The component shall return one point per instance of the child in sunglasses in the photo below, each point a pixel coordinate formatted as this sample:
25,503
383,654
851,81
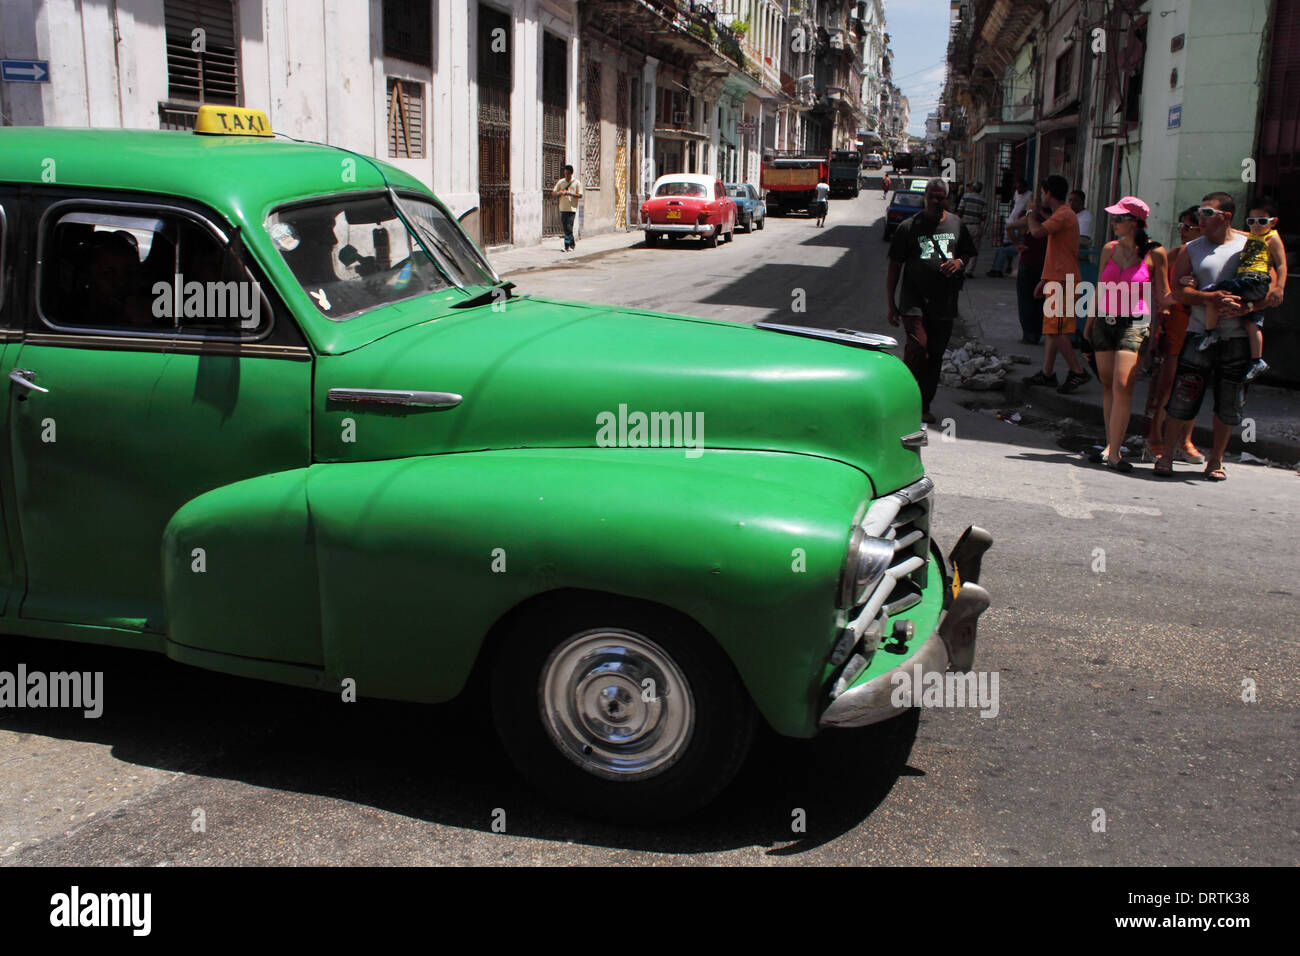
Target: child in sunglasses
1262,254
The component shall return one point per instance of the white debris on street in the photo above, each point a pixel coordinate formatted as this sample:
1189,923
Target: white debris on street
974,366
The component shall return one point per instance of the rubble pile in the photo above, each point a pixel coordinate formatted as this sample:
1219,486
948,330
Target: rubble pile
974,366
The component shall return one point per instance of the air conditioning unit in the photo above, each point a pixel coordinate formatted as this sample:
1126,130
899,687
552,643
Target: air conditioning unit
680,117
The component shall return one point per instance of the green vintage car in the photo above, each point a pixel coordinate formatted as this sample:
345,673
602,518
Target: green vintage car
272,413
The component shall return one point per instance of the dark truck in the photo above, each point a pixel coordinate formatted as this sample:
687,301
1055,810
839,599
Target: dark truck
903,162
844,166
790,180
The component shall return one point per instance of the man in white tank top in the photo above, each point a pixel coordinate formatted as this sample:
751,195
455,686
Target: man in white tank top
1221,368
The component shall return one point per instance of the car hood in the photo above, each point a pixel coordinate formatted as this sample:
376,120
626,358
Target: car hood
539,372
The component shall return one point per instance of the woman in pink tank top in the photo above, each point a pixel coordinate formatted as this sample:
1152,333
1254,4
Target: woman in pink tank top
1133,282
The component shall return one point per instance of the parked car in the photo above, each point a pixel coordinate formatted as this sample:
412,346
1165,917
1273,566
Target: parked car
904,204
873,161
751,211
306,434
689,204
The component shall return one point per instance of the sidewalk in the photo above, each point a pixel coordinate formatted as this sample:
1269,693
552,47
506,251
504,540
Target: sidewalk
548,254
988,311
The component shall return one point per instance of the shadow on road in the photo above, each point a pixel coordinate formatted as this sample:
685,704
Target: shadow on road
437,764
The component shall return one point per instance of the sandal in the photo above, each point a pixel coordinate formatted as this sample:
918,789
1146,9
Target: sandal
1215,472
1167,471
1122,465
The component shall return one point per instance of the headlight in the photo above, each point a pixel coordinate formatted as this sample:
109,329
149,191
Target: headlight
869,558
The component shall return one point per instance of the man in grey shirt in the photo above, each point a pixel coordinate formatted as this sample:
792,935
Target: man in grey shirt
1222,368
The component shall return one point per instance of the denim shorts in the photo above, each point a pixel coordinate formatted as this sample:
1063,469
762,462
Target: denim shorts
1219,368
1117,335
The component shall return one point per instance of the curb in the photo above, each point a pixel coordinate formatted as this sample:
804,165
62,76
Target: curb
1016,392
562,262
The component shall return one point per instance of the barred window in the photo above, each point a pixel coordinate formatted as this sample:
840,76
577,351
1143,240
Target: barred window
408,31
202,51
405,119
591,127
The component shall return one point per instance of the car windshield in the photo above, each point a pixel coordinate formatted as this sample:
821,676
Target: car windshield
351,254
909,200
680,189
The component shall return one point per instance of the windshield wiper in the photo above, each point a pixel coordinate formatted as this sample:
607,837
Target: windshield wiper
487,295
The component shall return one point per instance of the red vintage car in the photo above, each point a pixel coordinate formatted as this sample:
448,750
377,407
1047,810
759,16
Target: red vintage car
689,204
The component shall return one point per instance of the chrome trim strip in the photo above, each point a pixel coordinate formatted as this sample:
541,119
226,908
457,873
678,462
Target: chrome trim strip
11,335
864,340
389,396
109,204
182,346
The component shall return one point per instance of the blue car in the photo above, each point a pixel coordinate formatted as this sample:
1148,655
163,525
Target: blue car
904,205
751,211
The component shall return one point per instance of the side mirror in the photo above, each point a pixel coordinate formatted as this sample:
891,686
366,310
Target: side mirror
469,221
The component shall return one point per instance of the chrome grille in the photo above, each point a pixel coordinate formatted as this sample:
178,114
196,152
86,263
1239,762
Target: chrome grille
904,518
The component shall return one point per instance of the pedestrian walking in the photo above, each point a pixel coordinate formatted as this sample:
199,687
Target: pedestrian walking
1077,200
885,183
1221,370
1168,332
1006,253
822,203
570,192
929,252
1133,279
973,209
1056,221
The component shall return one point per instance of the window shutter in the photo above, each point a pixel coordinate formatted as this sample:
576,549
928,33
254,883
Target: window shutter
405,119
208,75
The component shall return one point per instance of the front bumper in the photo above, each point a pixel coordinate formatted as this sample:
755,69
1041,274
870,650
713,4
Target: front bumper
950,647
680,229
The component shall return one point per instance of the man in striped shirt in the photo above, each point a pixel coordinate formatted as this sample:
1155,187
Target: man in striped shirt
972,209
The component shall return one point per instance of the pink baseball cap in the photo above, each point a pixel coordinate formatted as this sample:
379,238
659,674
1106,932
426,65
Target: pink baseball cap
1131,205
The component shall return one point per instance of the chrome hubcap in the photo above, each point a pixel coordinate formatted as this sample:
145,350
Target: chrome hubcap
616,704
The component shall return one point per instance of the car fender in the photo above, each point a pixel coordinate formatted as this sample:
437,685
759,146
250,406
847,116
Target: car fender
419,558
239,573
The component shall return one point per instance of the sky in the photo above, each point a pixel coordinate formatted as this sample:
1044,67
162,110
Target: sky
918,35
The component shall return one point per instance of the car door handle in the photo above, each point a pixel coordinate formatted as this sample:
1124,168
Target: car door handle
393,396
23,377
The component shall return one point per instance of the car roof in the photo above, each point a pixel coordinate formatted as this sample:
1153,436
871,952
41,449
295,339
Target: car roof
239,176
699,178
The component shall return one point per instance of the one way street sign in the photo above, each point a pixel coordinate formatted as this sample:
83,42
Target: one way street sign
25,71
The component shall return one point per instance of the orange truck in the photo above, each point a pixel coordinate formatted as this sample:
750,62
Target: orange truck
790,180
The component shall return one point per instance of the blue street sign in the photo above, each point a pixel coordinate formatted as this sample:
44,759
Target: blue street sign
1175,117
25,71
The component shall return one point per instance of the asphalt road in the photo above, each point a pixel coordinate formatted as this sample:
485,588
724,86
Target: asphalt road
1120,690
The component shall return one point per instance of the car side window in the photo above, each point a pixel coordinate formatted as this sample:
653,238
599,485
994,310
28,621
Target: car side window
142,271
4,241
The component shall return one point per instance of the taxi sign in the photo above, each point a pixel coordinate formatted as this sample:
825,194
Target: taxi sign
231,121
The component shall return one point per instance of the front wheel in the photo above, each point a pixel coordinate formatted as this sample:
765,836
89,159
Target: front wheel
620,710
762,222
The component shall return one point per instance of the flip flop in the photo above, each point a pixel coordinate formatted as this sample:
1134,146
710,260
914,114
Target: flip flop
1215,474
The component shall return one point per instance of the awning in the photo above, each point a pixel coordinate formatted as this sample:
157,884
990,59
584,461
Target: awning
1060,122
1002,130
